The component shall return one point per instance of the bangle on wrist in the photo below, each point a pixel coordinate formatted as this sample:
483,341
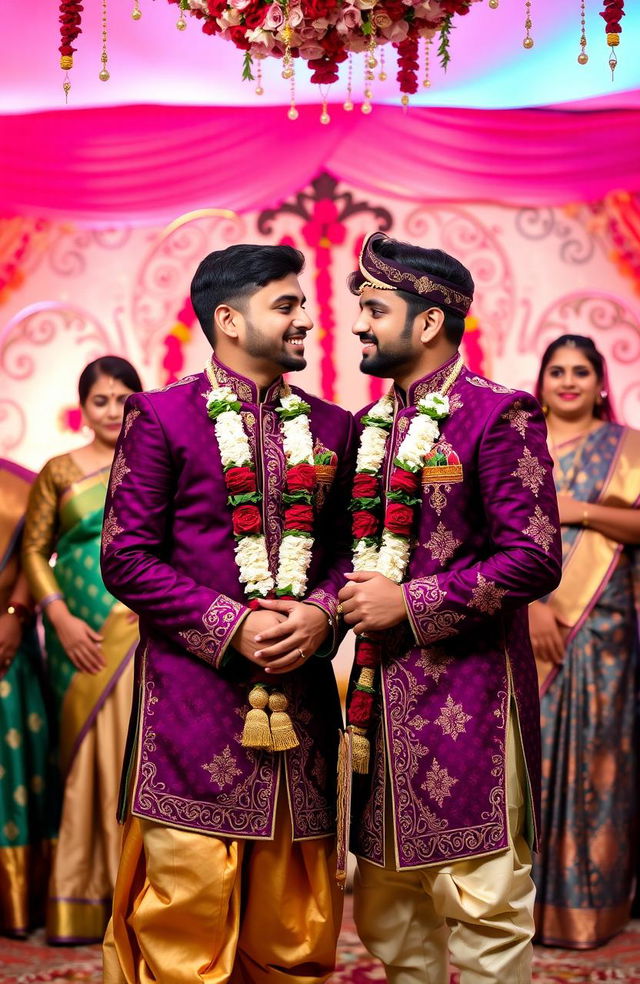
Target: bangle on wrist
20,611
585,517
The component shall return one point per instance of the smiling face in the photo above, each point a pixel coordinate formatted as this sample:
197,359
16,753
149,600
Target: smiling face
390,345
570,385
103,408
272,326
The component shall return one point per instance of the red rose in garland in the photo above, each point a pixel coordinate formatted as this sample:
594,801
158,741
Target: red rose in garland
246,520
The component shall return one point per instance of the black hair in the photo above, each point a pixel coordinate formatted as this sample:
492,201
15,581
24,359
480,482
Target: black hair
586,345
228,276
108,365
428,261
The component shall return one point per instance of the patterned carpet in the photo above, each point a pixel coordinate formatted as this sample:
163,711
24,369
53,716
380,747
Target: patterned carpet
31,962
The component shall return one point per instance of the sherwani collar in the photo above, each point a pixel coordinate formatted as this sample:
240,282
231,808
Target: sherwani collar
430,383
245,389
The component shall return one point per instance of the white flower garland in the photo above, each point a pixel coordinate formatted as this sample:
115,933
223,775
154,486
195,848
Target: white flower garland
251,554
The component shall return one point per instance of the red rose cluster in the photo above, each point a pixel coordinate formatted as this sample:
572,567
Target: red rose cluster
613,13
70,11
299,515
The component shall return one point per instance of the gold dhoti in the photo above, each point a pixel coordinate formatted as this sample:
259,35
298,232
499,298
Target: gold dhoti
480,909
189,908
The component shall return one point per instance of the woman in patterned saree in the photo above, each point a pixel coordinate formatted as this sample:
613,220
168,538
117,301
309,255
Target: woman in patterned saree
25,815
90,639
585,637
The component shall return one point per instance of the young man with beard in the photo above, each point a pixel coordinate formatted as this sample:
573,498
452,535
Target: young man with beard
224,492
445,685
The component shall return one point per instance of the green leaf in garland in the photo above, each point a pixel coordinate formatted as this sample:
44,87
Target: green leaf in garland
369,421
445,40
298,496
221,406
242,498
405,467
290,413
404,497
370,502
247,65
323,458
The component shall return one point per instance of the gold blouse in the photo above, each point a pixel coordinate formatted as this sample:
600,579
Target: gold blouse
43,525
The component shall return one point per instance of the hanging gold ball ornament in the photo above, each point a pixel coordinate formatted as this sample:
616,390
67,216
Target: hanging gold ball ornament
103,75
325,118
383,76
527,43
426,84
259,91
136,13
287,73
583,58
347,106
293,113
366,108
494,4
181,24
405,99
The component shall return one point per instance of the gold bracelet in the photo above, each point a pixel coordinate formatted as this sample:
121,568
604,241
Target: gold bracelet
585,518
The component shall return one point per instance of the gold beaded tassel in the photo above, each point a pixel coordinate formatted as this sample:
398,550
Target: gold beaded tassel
136,13
325,119
528,40
369,75
426,83
259,87
181,22
288,70
348,103
382,77
583,57
103,74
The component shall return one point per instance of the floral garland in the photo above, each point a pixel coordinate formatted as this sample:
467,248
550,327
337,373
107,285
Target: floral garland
245,500
324,32
613,13
386,551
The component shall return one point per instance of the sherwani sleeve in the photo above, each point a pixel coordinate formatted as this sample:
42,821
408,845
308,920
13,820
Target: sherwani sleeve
39,538
337,531
519,507
137,513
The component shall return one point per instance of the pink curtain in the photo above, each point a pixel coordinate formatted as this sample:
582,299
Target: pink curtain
148,164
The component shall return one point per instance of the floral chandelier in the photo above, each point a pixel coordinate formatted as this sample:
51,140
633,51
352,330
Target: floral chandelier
326,33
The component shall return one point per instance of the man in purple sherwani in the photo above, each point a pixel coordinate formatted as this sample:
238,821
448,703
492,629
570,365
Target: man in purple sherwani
444,823
228,488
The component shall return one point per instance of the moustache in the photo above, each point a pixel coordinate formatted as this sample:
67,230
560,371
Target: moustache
368,338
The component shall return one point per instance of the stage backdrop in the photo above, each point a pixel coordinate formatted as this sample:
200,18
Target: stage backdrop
70,294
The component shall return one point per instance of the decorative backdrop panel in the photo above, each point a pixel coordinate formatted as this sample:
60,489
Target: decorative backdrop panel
68,295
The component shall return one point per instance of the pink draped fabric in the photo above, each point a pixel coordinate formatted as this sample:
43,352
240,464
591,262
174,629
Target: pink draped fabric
145,164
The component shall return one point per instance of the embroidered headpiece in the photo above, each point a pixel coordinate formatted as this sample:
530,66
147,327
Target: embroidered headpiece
387,274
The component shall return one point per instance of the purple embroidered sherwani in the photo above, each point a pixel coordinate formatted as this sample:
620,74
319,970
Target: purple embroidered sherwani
487,544
168,553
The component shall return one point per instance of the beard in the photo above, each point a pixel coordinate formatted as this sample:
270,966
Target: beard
260,346
384,361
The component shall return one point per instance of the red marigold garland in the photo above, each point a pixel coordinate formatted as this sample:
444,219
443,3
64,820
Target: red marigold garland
70,11
612,14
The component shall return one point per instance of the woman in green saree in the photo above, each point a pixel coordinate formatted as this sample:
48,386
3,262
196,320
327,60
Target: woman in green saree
585,638
90,640
26,829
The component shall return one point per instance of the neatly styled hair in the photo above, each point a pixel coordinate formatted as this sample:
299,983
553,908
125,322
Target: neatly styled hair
424,261
230,276
604,409
108,365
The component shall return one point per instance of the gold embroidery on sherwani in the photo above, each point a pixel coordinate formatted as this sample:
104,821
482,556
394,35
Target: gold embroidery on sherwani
222,768
310,806
434,661
540,529
439,783
119,470
216,620
442,544
518,418
530,472
275,467
131,419
177,382
426,596
487,384
244,809
487,596
242,390
452,719
438,499
110,530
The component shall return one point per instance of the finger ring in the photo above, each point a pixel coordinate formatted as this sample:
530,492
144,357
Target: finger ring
302,655
339,609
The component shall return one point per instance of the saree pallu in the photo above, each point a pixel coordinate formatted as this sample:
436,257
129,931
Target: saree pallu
26,818
93,712
584,874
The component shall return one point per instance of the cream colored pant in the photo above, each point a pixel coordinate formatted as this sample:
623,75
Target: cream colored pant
481,909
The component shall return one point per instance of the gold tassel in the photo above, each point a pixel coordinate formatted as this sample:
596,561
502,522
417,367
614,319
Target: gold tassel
282,734
256,732
345,768
360,751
